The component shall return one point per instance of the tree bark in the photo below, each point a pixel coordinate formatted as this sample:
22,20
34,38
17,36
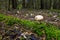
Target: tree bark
9,5
23,3
14,4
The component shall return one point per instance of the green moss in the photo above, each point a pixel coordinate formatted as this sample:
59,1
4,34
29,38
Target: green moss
50,30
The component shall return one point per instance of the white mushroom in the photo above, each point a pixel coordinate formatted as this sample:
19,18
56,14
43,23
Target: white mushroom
18,12
32,14
39,17
27,14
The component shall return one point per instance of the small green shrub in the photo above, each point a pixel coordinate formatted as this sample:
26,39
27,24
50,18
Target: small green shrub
19,6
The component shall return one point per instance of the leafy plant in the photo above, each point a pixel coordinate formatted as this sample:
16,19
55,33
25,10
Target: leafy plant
19,6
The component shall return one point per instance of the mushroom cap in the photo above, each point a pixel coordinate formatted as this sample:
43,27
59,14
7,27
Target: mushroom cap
18,12
39,17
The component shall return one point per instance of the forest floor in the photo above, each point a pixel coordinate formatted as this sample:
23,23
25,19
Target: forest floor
49,17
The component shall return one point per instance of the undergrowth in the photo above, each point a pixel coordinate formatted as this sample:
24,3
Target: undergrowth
50,30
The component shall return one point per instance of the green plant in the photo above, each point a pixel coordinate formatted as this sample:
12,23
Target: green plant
38,31
22,38
10,21
19,6
2,17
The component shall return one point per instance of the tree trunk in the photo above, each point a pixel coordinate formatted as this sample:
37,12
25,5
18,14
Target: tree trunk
14,4
9,5
42,4
23,3
52,4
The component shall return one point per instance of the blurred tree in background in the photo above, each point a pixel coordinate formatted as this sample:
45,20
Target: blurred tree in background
33,4
13,3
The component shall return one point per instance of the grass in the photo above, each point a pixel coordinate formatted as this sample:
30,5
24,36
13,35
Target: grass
50,30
